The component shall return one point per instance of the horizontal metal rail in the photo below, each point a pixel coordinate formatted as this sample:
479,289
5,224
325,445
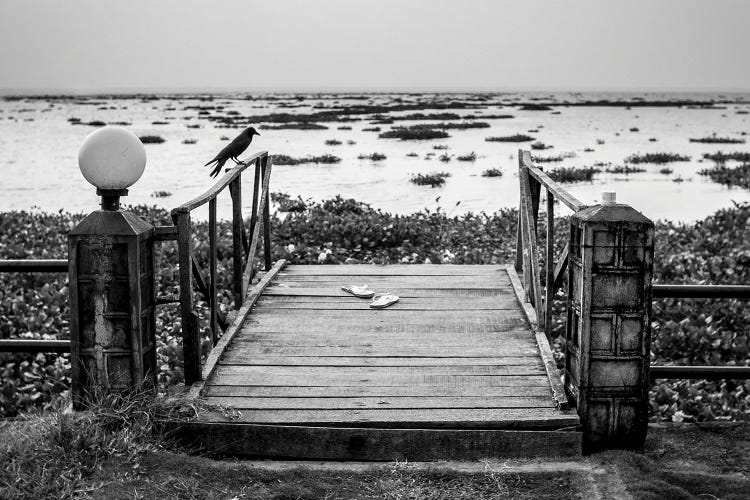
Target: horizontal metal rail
34,266
700,372
702,291
34,346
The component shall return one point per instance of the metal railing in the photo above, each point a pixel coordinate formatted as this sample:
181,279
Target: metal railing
708,372
243,253
34,266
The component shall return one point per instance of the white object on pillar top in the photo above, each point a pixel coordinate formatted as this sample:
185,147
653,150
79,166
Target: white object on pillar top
112,158
609,198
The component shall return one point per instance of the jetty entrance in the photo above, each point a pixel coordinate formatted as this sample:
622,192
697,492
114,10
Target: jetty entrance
459,368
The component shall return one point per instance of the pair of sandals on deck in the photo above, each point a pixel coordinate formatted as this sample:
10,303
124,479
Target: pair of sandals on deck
380,301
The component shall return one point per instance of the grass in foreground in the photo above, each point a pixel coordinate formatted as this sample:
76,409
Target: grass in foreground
54,455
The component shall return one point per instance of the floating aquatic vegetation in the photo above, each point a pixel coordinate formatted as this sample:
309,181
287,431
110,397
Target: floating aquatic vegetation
434,179
656,158
511,138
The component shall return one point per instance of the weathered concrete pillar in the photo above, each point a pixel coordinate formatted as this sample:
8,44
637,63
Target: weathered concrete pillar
111,274
608,328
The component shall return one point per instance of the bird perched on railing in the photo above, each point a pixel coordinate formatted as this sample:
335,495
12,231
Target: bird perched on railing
233,150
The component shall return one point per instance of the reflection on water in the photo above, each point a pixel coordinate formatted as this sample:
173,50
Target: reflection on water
39,145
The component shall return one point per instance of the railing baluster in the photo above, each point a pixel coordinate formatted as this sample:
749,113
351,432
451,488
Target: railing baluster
191,340
549,283
530,252
212,268
234,189
266,218
256,188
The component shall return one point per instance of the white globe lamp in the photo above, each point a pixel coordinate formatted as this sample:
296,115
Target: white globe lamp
112,159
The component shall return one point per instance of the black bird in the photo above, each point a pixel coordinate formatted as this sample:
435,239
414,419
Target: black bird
233,150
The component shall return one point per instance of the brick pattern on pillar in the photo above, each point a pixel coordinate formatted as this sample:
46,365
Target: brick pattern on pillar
112,300
608,327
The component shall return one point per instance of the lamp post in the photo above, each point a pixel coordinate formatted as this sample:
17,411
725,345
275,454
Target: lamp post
111,274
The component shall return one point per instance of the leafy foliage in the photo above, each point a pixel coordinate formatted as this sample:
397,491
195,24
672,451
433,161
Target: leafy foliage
684,331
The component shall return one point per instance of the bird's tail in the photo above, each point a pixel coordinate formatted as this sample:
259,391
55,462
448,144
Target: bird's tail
217,168
207,164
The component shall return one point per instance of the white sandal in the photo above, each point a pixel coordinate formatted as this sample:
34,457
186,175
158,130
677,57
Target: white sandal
363,292
383,301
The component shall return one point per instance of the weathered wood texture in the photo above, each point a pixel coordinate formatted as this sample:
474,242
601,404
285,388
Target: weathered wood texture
456,352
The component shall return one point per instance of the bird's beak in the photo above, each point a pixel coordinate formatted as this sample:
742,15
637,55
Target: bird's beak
256,133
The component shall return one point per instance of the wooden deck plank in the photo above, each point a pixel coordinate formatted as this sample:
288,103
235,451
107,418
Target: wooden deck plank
378,372
345,443
392,403
499,281
279,348
489,418
394,270
225,375
262,391
405,303
245,358
333,290
386,320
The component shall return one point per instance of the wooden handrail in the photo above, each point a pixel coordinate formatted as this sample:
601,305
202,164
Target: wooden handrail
243,265
219,186
531,180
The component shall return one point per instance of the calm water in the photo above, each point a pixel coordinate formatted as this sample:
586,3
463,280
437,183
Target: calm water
39,151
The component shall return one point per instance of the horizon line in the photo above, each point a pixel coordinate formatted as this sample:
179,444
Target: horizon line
11,91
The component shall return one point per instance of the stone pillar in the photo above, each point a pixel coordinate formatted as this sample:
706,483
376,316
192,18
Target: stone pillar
112,299
111,275
608,332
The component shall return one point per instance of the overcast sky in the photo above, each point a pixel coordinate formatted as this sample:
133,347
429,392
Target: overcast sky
348,44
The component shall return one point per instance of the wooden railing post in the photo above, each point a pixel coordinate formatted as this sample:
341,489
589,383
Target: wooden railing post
213,300
608,327
532,282
266,220
549,280
191,338
237,243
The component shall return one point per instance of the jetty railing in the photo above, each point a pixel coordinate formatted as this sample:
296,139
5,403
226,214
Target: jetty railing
34,345
243,253
708,372
531,179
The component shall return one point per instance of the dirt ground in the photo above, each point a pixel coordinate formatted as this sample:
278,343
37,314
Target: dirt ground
685,461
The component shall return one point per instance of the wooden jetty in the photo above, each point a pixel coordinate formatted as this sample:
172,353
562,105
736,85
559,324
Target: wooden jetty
459,368
453,370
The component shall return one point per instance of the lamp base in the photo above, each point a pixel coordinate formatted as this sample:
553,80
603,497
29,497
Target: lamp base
111,198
